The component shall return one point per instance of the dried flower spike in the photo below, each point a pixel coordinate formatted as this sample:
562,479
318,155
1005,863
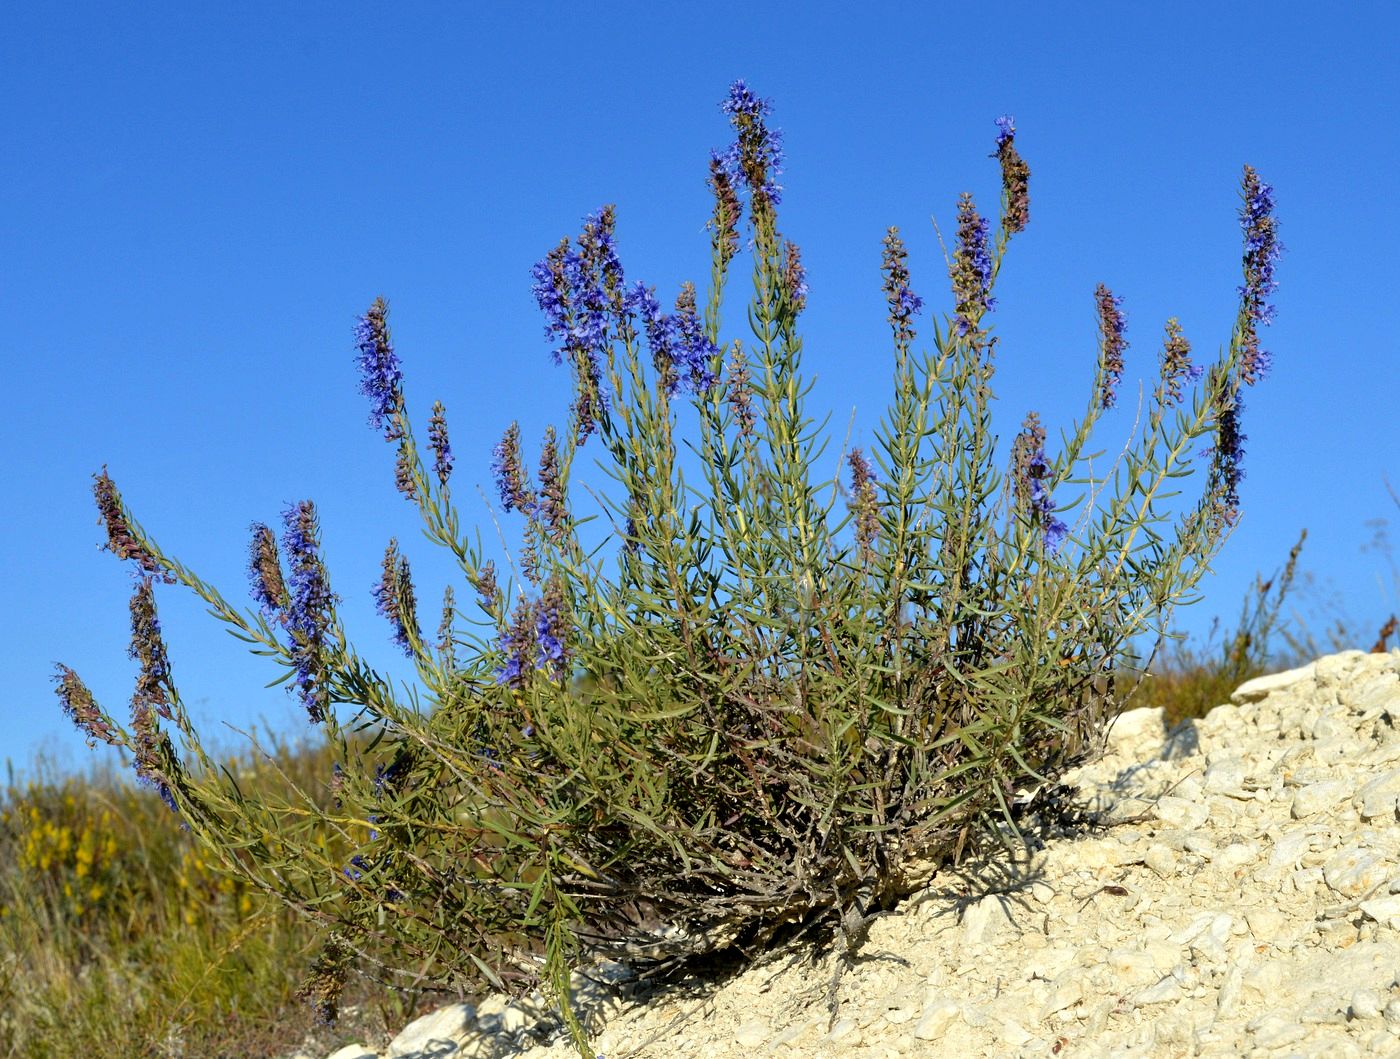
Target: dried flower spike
1111,342
863,501
1176,363
121,540
724,222
82,709
148,649
1015,177
265,573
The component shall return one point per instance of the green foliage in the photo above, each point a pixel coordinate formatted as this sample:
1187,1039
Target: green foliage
756,709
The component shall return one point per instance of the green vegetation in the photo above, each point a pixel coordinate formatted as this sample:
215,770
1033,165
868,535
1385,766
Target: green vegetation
118,936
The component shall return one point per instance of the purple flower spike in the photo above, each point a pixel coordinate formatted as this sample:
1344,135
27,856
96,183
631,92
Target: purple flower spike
381,379
1261,252
971,269
1006,130
904,303
309,612
755,158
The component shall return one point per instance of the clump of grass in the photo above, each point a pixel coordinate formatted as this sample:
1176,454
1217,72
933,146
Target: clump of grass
761,707
1190,681
119,937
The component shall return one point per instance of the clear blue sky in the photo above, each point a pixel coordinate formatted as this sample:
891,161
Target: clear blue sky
199,200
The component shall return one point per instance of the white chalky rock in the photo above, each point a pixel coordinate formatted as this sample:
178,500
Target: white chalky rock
1133,726
1161,860
985,920
444,1032
1377,797
1385,910
1162,992
1275,1031
1179,812
1225,777
353,1051
939,1015
1365,1004
752,1033
1262,687
1319,797
1355,872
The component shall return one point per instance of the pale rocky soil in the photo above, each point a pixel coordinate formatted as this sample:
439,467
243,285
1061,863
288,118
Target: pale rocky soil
1242,899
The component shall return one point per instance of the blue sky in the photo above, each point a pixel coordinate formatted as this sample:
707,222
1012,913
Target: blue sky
200,200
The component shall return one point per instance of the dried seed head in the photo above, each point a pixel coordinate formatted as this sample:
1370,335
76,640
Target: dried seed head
403,471
795,278
724,222
1176,363
485,585
82,709
121,539
741,391
1111,342
552,511
1015,177
148,649
864,504
265,573
447,646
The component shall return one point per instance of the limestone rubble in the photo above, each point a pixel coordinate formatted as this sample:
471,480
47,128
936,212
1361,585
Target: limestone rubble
1242,899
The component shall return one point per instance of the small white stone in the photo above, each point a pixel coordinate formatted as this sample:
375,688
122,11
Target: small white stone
1355,872
1161,860
1384,910
1365,1004
985,920
1225,777
1066,991
1391,1014
1165,991
1265,922
1275,1031
447,1026
1319,797
1261,687
751,1034
1179,812
938,1016
353,1051
846,1029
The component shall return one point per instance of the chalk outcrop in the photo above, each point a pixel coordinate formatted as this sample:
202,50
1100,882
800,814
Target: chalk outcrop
1242,898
